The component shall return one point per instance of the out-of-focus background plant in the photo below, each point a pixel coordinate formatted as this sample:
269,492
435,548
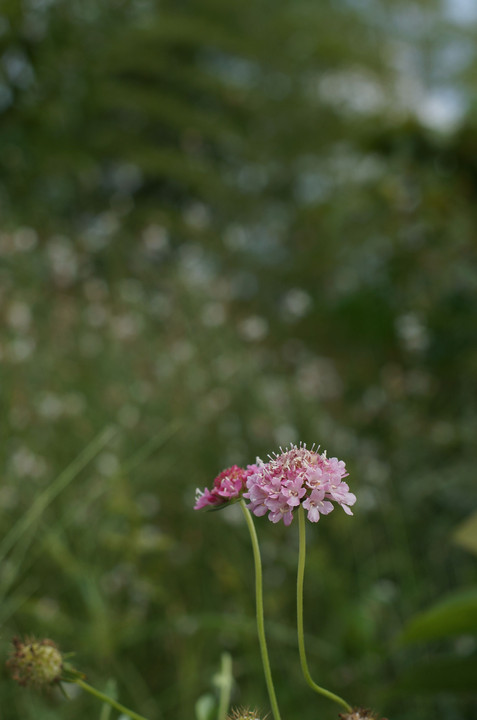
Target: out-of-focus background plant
227,226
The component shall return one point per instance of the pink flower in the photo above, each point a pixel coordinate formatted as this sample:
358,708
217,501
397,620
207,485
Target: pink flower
343,497
293,491
280,511
316,506
297,476
227,486
257,497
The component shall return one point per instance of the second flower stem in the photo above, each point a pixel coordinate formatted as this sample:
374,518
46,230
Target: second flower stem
105,699
259,605
299,612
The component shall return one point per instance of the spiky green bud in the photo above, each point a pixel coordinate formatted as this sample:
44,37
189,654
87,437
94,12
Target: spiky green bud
37,663
360,714
245,714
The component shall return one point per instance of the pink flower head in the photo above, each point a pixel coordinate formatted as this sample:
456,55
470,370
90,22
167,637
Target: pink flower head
297,476
227,486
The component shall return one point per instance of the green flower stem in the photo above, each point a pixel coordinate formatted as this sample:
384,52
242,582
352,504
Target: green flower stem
259,604
299,612
106,699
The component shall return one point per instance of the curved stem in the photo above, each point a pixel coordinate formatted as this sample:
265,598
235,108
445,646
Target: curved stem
299,612
259,605
104,698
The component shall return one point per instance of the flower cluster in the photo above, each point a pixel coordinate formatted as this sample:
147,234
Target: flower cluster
35,662
229,485
298,476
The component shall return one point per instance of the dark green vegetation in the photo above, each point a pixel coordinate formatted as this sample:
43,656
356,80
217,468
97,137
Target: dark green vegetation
227,226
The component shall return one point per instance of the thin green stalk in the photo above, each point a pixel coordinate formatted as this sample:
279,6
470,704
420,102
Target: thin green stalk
299,612
105,699
259,605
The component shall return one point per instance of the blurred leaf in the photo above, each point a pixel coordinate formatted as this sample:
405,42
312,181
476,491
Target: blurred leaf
223,681
451,675
206,707
111,691
466,534
454,616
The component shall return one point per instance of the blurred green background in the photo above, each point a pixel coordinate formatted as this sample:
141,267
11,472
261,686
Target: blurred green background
227,226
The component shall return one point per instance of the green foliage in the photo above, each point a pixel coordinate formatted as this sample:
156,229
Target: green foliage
455,615
210,707
227,226
466,534
445,675
206,708
111,691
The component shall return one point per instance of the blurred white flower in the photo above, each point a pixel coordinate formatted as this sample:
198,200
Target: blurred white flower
155,239
126,326
285,434
18,316
24,239
182,351
108,464
213,314
318,378
63,260
412,332
26,464
197,216
20,349
50,406
160,305
296,303
253,328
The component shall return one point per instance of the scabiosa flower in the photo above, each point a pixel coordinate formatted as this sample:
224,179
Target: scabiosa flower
35,662
298,476
229,485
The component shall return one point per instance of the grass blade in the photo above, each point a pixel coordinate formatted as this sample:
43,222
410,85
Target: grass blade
53,490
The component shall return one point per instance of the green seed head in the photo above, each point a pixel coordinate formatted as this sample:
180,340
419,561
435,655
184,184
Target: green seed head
37,663
360,714
245,714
